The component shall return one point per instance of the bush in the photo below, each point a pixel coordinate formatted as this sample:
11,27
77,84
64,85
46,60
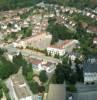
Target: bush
93,83
71,88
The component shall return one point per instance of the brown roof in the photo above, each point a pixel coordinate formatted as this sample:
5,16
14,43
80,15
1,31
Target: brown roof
60,20
61,44
84,24
35,61
93,28
95,39
48,64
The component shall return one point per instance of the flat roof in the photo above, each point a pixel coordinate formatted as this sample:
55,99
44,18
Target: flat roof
20,87
17,79
22,92
85,92
56,92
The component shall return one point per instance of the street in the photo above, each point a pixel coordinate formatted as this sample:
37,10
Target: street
30,53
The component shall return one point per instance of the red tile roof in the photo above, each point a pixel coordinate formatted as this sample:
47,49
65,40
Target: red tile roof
35,61
47,64
61,45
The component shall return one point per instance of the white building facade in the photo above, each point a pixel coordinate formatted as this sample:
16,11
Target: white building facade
90,77
61,48
90,71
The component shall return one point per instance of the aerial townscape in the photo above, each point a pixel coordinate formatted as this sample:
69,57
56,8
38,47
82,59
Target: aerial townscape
48,49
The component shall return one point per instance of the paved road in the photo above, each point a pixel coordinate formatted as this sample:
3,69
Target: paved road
31,53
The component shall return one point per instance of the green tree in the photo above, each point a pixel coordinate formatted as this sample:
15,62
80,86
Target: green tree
6,68
43,76
29,76
62,72
34,87
58,31
73,78
7,96
71,88
0,84
1,93
28,71
79,72
2,51
18,59
41,89
57,56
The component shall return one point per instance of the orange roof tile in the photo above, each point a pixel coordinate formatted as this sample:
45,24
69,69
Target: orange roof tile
61,45
35,61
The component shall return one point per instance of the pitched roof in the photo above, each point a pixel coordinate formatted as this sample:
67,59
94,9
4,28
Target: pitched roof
35,61
56,92
93,29
61,44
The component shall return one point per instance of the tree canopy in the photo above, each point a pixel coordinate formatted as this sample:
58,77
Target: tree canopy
43,76
13,4
64,72
6,68
58,31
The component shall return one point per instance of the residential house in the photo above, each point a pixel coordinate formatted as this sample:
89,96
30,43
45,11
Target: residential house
48,66
3,26
92,29
36,63
15,28
56,92
39,65
95,10
74,55
10,55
